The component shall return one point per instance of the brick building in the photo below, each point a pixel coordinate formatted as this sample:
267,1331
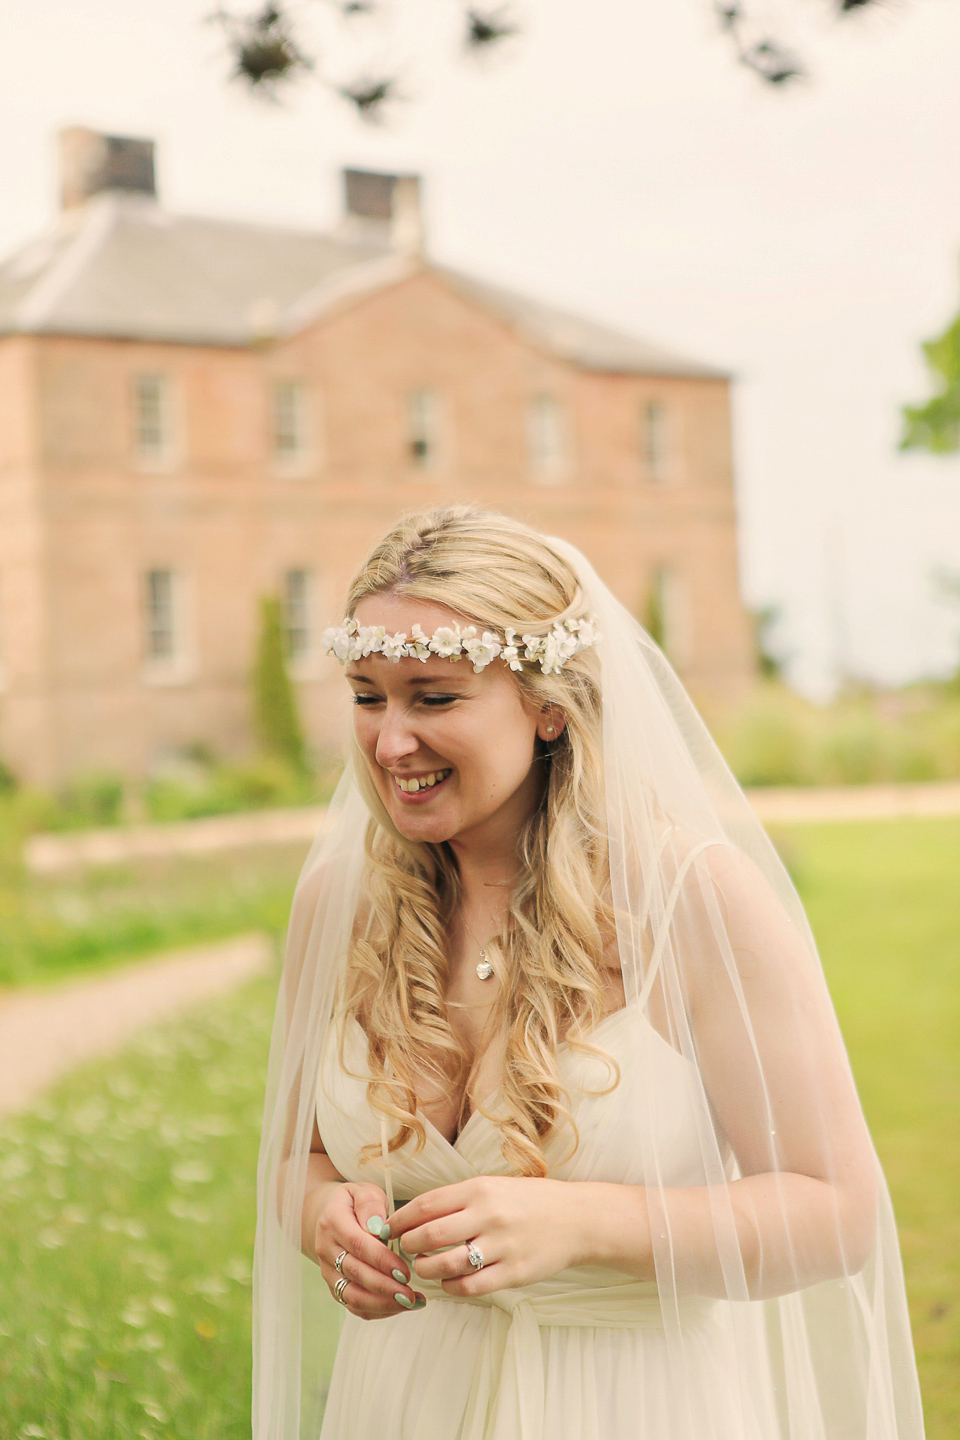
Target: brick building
196,412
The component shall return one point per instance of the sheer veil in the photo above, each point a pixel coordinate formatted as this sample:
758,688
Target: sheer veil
798,1258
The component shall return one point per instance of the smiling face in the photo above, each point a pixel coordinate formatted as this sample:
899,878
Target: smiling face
451,753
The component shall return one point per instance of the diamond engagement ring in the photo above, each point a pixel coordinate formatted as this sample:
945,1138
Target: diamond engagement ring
338,1263
339,1288
475,1255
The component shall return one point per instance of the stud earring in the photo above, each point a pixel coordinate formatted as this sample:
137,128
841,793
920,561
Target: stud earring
549,729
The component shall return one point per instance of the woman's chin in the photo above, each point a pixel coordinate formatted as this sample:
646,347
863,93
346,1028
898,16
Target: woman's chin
420,824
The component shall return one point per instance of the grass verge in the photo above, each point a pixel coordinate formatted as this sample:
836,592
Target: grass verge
884,901
54,927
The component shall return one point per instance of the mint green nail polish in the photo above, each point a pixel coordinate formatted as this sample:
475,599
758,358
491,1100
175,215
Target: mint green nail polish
399,1276
420,1301
402,1300
375,1226
384,1231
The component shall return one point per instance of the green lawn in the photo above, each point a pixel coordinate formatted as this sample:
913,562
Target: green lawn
884,901
126,1209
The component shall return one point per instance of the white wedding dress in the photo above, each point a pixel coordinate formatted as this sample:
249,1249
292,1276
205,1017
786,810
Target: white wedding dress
587,1355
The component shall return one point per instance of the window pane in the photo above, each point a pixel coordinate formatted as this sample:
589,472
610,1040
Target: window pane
160,616
297,608
151,421
288,429
654,439
545,426
422,412
668,618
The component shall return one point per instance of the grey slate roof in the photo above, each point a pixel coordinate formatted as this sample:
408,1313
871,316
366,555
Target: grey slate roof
583,342
122,266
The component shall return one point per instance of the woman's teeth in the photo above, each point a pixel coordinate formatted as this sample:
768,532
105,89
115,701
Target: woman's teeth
425,782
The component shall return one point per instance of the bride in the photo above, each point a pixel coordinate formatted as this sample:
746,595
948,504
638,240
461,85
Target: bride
556,1089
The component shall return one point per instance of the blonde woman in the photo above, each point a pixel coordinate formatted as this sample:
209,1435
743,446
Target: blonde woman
557,1096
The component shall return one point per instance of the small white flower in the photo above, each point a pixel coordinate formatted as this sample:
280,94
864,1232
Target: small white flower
350,641
393,647
446,641
192,1172
419,645
481,650
588,634
368,641
153,1408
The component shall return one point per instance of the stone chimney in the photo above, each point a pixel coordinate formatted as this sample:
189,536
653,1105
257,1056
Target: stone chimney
91,163
384,208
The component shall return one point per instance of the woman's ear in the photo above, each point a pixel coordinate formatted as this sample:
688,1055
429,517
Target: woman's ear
551,723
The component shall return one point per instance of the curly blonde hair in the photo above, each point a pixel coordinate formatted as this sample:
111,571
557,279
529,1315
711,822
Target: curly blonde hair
495,572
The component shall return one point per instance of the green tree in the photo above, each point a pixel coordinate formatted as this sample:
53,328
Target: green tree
275,704
935,426
652,618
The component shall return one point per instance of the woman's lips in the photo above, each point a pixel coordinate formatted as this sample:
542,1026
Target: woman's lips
426,785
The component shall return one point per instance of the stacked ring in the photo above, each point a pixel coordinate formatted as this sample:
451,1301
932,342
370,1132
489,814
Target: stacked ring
339,1288
475,1255
338,1263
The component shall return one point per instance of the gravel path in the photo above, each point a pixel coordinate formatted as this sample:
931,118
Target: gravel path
49,854
796,806
44,1033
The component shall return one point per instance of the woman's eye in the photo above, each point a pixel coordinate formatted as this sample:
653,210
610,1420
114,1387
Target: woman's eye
436,702
366,700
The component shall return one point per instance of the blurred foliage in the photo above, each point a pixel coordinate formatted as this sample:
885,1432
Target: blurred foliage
770,662
274,700
257,784
773,736
275,44
652,618
270,48
935,426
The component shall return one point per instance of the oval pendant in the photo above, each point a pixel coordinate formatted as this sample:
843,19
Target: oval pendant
484,969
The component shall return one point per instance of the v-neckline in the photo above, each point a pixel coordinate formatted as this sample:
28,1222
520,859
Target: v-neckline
454,1144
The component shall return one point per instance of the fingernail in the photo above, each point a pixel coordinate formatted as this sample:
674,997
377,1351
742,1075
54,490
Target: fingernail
402,1300
375,1226
420,1301
384,1231
399,1276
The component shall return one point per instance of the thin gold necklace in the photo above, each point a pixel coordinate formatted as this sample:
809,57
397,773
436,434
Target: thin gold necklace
483,967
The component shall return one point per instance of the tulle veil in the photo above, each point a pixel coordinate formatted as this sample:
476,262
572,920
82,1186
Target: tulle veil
820,1348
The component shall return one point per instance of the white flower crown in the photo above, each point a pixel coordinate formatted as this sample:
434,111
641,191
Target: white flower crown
350,641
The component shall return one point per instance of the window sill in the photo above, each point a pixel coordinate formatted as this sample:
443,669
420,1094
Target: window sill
156,464
299,467
163,674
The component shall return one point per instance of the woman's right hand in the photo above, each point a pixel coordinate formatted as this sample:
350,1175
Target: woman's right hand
378,1280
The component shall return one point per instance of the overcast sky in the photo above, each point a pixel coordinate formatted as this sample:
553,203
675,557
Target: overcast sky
614,159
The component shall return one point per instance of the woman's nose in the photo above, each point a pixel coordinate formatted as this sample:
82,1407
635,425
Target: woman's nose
396,738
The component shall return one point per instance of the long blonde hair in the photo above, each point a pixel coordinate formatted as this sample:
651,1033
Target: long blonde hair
496,572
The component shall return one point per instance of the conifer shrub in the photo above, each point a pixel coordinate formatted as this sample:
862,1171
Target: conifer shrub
276,718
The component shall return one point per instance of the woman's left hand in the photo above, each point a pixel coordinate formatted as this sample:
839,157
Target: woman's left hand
525,1229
